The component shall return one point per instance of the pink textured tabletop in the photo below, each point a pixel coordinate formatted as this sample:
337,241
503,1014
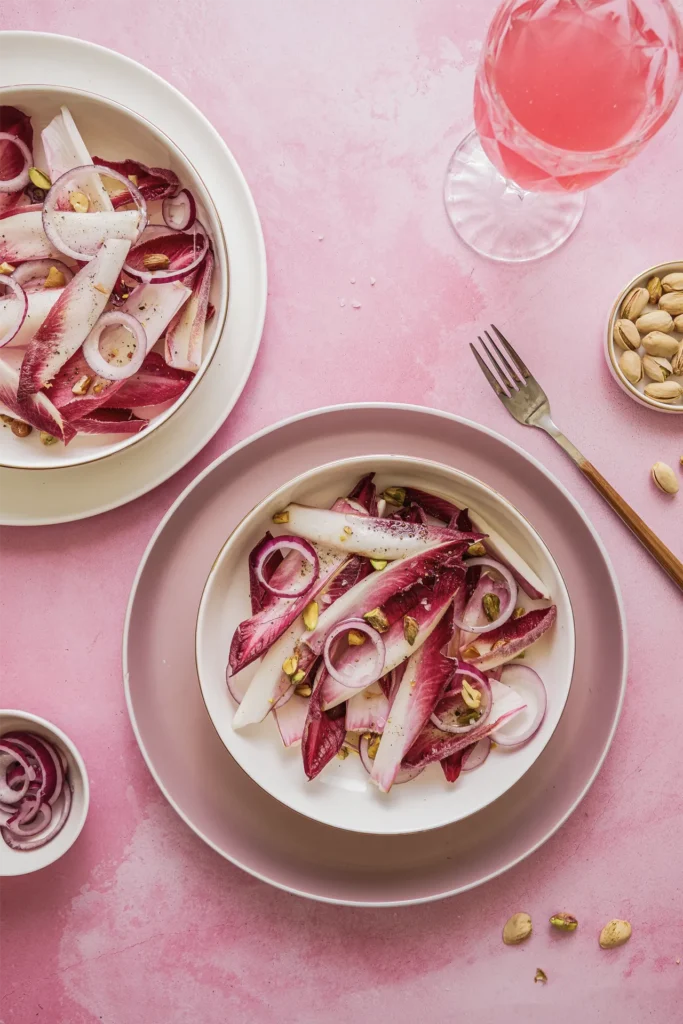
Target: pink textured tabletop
343,116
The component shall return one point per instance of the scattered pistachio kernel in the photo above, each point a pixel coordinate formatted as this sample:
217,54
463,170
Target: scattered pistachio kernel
7,268
100,386
411,628
615,933
290,665
133,178
298,676
517,929
21,429
471,695
540,975
311,614
47,439
39,179
373,746
497,644
281,517
355,638
79,202
518,612
470,652
654,290
304,690
348,531
378,564
81,386
156,261
342,753
476,550
565,922
100,288
377,619
395,495
491,605
55,279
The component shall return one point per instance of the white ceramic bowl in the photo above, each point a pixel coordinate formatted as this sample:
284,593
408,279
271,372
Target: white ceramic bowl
613,352
342,795
113,131
23,862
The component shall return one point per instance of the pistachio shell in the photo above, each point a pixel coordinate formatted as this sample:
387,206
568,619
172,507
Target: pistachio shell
673,282
669,391
517,929
654,290
615,933
672,302
665,478
631,366
677,361
626,335
635,302
678,323
657,344
658,320
657,368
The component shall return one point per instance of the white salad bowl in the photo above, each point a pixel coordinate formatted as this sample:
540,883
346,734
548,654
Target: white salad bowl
342,795
24,862
113,131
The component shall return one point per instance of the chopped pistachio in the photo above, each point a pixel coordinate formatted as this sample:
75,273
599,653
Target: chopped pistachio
471,695
55,279
290,665
100,288
100,386
356,638
565,922
540,976
411,628
373,746
39,179
311,614
298,676
470,652
348,531
378,564
47,439
395,495
304,690
518,612
476,550
133,178
377,619
79,202
342,753
491,605
498,643
7,268
281,517
81,386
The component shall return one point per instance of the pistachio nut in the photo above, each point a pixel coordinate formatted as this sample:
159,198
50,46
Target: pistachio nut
517,929
156,261
635,302
39,179
378,564
665,478
356,638
626,335
477,550
47,439
411,627
654,290
657,368
310,615
669,391
631,366
657,344
658,320
615,933
290,665
377,619
281,517
673,282
79,202
55,279
678,323
303,690
564,922
395,495
7,268
298,676
672,302
540,975
491,603
677,361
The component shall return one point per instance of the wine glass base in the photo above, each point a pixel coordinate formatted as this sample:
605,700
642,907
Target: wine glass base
499,220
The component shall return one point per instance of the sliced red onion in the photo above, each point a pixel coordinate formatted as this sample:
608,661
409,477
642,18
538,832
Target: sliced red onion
454,697
374,669
21,308
13,795
477,754
404,774
287,544
21,180
34,825
60,812
179,211
31,275
505,612
52,199
47,760
95,359
529,687
177,274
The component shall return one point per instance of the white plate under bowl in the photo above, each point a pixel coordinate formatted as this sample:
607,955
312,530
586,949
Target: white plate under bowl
30,498
342,795
113,132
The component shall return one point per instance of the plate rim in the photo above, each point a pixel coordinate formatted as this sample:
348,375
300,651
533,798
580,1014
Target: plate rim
401,407
428,464
117,461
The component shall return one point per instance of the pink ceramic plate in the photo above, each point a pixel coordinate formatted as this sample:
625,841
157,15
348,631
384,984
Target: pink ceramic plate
234,815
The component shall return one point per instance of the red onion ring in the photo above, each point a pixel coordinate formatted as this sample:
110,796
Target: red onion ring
21,180
34,272
45,756
91,346
38,823
506,612
482,684
12,795
476,755
59,815
302,547
373,672
22,307
404,774
52,198
179,211
534,694
161,276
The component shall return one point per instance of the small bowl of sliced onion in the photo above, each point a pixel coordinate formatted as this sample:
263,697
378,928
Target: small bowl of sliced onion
44,793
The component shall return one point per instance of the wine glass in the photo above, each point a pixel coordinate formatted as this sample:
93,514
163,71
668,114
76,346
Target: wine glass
566,93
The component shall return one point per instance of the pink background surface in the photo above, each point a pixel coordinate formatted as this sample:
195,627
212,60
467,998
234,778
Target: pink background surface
343,116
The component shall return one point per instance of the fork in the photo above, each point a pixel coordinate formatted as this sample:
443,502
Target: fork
525,399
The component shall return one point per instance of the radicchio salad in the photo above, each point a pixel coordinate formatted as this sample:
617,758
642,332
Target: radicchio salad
392,627
102,311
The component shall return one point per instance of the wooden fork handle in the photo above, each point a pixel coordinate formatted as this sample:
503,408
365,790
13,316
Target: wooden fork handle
666,558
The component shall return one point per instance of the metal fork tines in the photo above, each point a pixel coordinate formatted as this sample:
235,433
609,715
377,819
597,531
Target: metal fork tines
513,382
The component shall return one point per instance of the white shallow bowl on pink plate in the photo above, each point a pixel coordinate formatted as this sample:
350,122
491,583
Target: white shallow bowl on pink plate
24,862
342,795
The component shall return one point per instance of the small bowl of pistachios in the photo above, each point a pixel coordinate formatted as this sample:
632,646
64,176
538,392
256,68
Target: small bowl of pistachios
645,338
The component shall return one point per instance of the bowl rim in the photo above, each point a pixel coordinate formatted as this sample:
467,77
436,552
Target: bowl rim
350,461
631,390
222,262
69,744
